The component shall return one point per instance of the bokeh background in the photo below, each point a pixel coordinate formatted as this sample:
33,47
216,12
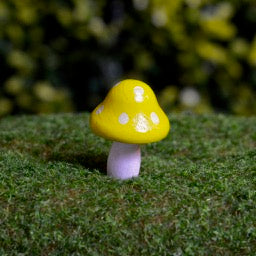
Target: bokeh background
64,55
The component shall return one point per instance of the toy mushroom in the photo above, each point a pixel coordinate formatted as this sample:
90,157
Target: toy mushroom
130,116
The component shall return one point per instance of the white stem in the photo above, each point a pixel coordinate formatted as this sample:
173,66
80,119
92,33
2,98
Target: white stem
124,160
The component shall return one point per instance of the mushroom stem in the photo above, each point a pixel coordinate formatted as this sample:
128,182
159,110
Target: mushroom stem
124,160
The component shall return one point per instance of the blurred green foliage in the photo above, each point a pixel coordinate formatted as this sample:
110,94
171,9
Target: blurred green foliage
64,55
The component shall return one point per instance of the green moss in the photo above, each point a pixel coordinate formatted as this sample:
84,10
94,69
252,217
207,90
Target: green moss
195,194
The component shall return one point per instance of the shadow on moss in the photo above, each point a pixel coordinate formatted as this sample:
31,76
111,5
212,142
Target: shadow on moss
87,160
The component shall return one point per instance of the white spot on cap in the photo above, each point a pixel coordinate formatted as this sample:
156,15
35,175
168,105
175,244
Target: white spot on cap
123,118
154,117
141,123
100,109
138,91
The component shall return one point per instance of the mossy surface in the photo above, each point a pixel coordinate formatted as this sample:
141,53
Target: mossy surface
196,193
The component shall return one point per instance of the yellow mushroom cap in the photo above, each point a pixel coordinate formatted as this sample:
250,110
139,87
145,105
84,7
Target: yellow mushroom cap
131,114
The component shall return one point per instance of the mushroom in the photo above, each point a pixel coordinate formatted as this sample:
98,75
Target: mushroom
130,116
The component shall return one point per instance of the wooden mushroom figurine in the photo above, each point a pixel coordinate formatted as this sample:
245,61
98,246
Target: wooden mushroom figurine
130,116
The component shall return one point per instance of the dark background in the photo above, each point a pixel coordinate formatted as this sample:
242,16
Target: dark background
64,55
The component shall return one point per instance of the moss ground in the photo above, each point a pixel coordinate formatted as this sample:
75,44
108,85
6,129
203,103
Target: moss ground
196,194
